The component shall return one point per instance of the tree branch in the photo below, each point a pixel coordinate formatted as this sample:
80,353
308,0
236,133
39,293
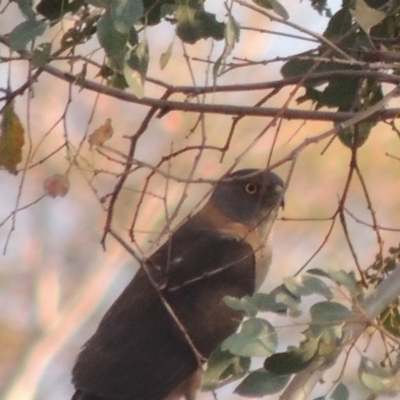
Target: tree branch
223,109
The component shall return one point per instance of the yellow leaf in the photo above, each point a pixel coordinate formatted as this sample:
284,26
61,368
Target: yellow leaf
11,140
165,57
101,134
366,16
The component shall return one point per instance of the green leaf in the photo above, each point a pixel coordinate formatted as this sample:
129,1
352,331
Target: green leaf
341,392
125,13
286,363
317,286
261,383
193,24
274,5
135,68
256,338
112,41
376,379
283,296
25,7
133,37
78,34
330,336
357,134
345,279
11,139
339,24
390,320
165,57
224,366
25,32
293,361
232,33
295,68
155,10
329,312
369,93
294,284
318,272
134,81
267,302
321,6
340,92
41,55
54,10
245,304
279,300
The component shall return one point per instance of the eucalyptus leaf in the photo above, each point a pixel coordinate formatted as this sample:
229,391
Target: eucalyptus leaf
390,320
345,279
245,304
232,33
295,67
41,55
125,13
12,139
339,24
194,23
341,392
366,16
25,7
261,383
112,41
279,9
134,81
355,135
24,33
223,365
294,284
257,337
267,302
317,286
318,272
329,312
135,68
274,5
54,10
165,57
279,300
293,361
376,379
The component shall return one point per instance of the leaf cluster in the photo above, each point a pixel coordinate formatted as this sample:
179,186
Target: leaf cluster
322,338
362,33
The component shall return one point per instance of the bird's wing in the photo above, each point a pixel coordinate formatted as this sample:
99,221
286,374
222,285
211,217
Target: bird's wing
139,352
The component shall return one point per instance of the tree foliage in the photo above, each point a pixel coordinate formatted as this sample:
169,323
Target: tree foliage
151,55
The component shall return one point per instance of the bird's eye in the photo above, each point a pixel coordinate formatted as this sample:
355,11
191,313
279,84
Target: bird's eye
251,188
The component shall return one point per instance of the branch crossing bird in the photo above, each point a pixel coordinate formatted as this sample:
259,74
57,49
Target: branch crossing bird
152,342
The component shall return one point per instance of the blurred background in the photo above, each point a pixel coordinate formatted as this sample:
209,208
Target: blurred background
57,280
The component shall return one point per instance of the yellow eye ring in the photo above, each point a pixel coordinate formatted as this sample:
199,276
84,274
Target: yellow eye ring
251,188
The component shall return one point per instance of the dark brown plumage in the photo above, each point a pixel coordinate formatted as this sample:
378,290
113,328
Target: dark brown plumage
140,351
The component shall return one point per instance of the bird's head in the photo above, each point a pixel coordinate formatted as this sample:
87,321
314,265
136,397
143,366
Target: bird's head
249,196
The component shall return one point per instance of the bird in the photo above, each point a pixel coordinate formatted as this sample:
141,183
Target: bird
153,341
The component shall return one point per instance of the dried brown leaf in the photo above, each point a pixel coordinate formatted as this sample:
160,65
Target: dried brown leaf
11,140
56,185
